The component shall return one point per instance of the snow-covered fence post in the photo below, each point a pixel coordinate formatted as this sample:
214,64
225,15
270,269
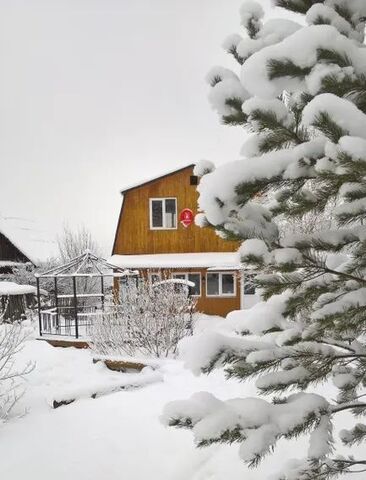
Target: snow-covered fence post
301,93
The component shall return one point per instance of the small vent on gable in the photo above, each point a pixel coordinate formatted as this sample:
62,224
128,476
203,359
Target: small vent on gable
193,180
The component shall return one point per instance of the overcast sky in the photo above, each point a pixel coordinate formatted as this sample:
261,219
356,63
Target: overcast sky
96,94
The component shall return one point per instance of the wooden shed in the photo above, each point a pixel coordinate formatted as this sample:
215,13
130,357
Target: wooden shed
15,298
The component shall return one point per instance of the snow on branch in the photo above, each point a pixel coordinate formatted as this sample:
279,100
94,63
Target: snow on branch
301,50
254,423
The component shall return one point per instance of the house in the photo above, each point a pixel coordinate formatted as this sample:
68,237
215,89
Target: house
157,236
23,243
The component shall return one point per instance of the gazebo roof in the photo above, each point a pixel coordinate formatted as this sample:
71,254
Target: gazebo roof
87,265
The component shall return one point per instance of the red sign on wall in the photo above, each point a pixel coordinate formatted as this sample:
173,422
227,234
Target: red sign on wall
186,217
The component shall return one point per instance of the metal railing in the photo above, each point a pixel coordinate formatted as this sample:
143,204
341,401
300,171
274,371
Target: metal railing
62,321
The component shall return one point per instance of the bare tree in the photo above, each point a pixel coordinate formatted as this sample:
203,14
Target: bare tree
72,243
150,320
12,337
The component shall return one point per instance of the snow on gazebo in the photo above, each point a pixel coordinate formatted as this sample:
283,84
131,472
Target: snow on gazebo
70,312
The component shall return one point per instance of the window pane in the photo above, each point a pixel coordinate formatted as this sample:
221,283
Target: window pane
154,277
180,276
249,287
196,279
213,284
157,213
227,284
170,213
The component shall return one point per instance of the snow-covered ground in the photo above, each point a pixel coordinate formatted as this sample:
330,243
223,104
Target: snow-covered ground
118,435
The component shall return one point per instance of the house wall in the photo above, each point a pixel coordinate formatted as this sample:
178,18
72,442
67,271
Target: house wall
210,305
134,237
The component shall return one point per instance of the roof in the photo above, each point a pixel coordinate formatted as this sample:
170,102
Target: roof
29,238
211,260
158,177
86,265
12,288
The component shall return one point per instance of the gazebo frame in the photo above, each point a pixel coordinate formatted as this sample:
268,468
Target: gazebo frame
86,265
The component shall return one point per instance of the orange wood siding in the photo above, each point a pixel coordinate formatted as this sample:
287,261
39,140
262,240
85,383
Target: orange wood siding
134,237
209,305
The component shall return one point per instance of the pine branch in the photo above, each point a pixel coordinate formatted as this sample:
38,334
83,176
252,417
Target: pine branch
286,68
252,28
237,117
354,89
351,406
344,12
334,56
277,135
297,6
331,129
234,52
320,20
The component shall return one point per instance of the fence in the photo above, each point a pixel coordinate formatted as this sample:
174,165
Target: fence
63,321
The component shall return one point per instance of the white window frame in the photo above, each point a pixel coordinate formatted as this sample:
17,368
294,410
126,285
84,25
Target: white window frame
220,294
163,199
175,274
150,274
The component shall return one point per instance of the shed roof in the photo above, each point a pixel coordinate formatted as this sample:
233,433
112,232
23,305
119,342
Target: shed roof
29,238
12,288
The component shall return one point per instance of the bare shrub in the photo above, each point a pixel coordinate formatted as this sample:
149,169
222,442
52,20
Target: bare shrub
12,337
150,320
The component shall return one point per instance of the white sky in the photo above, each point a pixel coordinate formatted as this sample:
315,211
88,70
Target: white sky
96,94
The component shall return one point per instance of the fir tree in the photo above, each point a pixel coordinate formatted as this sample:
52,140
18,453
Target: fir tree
301,92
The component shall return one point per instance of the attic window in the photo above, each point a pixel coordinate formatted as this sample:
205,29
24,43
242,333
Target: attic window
163,213
193,180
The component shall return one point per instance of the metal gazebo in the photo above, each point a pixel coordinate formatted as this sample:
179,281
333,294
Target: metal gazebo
71,313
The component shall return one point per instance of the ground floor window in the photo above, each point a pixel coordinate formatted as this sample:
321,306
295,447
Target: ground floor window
154,277
191,277
219,284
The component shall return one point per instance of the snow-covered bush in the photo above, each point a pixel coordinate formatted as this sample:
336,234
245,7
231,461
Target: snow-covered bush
301,92
149,321
12,337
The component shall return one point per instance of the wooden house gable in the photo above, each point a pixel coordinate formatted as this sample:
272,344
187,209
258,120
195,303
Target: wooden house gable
135,234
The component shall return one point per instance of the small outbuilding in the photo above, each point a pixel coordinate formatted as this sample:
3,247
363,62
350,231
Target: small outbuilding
15,299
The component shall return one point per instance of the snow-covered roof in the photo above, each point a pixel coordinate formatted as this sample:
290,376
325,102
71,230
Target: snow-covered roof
12,288
212,260
155,177
9,263
27,236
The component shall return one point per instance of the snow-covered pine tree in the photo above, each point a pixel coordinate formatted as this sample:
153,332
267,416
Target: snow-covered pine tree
301,92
